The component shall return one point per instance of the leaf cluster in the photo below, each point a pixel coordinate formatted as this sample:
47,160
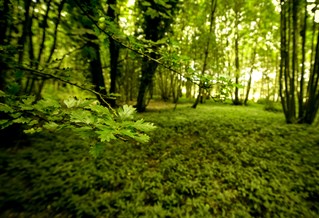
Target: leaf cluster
89,120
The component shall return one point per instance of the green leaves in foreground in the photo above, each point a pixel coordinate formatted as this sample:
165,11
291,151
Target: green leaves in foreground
91,121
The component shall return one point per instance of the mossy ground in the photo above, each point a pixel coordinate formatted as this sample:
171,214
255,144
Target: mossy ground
216,161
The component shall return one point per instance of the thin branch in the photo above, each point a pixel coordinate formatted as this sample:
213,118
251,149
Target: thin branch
66,54
50,76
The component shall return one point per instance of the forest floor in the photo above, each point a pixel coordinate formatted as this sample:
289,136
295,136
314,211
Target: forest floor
214,161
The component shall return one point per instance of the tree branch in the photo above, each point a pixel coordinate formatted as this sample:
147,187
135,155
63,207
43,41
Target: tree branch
50,76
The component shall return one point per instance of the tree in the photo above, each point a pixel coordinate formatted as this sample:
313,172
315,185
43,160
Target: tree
294,28
114,49
157,17
201,84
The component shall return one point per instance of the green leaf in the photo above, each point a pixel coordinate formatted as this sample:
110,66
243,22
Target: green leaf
32,130
22,120
82,116
129,133
106,134
142,126
29,100
5,123
51,126
151,12
126,113
47,105
71,102
145,4
142,138
100,110
6,108
33,122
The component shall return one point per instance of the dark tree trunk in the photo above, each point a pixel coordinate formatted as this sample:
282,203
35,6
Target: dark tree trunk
236,100
313,93
26,23
114,49
302,79
148,71
96,71
55,35
44,27
93,52
4,20
307,103
154,29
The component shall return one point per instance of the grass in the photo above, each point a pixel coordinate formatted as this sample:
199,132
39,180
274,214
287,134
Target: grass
215,161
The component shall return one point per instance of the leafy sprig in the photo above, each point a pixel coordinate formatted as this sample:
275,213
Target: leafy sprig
87,118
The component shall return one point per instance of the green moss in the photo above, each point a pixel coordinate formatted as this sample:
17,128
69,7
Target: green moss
215,161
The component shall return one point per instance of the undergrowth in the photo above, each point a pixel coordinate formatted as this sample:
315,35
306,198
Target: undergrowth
215,161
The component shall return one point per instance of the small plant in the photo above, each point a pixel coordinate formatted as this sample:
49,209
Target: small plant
86,118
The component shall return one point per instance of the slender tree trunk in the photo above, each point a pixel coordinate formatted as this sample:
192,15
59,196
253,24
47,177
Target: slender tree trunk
236,101
283,54
253,59
26,23
30,35
302,79
313,101
212,16
148,71
4,20
294,60
44,27
114,50
96,70
55,34
154,29
95,64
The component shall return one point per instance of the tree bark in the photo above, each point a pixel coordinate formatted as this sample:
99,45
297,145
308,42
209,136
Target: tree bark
96,70
302,79
212,16
253,58
4,18
236,101
148,71
114,50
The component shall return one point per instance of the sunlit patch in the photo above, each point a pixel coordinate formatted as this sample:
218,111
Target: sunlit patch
317,16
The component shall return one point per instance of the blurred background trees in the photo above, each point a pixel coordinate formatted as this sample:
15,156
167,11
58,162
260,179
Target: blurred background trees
130,51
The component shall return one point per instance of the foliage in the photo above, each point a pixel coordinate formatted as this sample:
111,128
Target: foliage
91,121
219,161
273,106
270,105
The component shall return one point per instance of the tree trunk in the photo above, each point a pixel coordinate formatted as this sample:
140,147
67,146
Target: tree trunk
55,35
313,93
253,60
96,70
4,18
236,101
114,50
212,16
303,51
148,71
26,23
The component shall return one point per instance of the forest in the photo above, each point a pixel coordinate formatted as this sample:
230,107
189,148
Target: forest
159,108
